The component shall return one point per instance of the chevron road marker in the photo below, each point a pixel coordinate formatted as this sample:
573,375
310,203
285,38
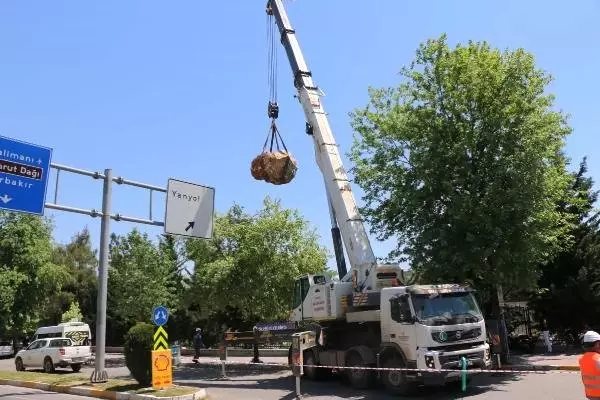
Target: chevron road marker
161,339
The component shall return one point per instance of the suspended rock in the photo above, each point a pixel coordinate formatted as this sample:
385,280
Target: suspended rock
277,168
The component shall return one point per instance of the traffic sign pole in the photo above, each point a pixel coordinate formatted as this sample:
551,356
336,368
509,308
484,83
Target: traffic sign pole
162,376
24,172
99,375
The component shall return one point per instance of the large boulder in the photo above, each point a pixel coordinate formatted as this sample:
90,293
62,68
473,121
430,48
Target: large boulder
277,167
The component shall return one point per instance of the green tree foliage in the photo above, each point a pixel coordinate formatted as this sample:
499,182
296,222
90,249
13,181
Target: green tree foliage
255,256
81,261
463,163
138,351
569,297
27,275
178,282
247,271
72,314
140,278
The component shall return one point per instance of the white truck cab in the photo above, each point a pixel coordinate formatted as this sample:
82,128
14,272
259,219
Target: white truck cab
435,326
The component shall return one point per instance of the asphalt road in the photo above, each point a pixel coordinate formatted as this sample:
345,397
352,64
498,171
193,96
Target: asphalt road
281,386
253,385
18,393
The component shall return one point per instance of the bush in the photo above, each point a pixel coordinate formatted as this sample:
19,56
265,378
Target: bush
138,352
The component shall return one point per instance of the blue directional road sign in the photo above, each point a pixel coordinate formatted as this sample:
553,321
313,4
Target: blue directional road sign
24,170
160,315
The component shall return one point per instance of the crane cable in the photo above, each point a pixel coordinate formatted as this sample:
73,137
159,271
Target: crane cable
272,64
273,108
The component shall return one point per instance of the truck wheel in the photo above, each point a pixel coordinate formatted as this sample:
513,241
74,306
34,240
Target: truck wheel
310,371
19,364
359,378
48,365
317,373
395,381
76,367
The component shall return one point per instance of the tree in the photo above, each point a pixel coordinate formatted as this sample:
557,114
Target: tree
174,251
72,314
27,275
582,199
463,164
81,261
139,278
138,352
568,297
256,257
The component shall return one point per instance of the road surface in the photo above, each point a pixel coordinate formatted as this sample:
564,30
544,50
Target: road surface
254,385
276,386
19,393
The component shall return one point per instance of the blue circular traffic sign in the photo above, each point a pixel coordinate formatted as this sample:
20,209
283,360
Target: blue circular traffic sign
160,315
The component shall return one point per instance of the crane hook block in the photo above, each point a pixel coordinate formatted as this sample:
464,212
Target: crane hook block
273,110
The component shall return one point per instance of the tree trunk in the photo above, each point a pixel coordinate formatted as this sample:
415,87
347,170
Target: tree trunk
498,313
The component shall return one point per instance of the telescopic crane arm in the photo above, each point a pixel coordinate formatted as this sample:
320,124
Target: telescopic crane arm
346,219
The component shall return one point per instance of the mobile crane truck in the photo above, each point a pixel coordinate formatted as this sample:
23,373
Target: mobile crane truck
366,319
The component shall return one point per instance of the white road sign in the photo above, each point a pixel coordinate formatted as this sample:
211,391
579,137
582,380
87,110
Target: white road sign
190,209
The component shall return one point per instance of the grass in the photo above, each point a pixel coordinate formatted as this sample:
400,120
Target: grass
173,391
65,378
126,385
59,378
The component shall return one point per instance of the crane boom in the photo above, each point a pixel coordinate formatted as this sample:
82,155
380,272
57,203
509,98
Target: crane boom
343,207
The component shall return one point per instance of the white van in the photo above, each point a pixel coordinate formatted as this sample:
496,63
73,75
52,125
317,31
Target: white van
79,333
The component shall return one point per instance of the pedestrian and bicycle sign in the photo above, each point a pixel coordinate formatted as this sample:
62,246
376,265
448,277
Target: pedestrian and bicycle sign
160,315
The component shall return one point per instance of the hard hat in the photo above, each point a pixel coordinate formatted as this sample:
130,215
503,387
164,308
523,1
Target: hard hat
591,337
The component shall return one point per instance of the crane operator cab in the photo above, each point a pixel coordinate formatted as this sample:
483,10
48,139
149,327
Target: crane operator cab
312,294
318,297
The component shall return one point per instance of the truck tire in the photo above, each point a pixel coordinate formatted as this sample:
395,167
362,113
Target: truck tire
76,367
395,381
48,365
359,378
310,371
316,373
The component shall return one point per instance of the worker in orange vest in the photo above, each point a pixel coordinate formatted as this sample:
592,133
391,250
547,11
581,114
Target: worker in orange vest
589,364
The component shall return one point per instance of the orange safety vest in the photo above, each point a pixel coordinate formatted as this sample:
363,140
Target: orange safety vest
590,374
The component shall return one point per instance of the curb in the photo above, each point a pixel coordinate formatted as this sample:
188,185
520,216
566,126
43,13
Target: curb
98,393
235,366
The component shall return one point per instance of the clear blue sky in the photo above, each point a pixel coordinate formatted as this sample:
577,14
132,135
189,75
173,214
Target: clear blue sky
156,89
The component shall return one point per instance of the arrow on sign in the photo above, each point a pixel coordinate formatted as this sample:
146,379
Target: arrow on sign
5,199
190,226
160,339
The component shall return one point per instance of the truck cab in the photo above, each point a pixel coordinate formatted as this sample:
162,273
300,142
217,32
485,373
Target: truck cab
434,327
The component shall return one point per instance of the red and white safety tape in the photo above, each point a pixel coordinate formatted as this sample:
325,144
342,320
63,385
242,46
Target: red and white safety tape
531,370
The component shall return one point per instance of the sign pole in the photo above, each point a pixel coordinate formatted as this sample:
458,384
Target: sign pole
162,357
24,172
99,375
